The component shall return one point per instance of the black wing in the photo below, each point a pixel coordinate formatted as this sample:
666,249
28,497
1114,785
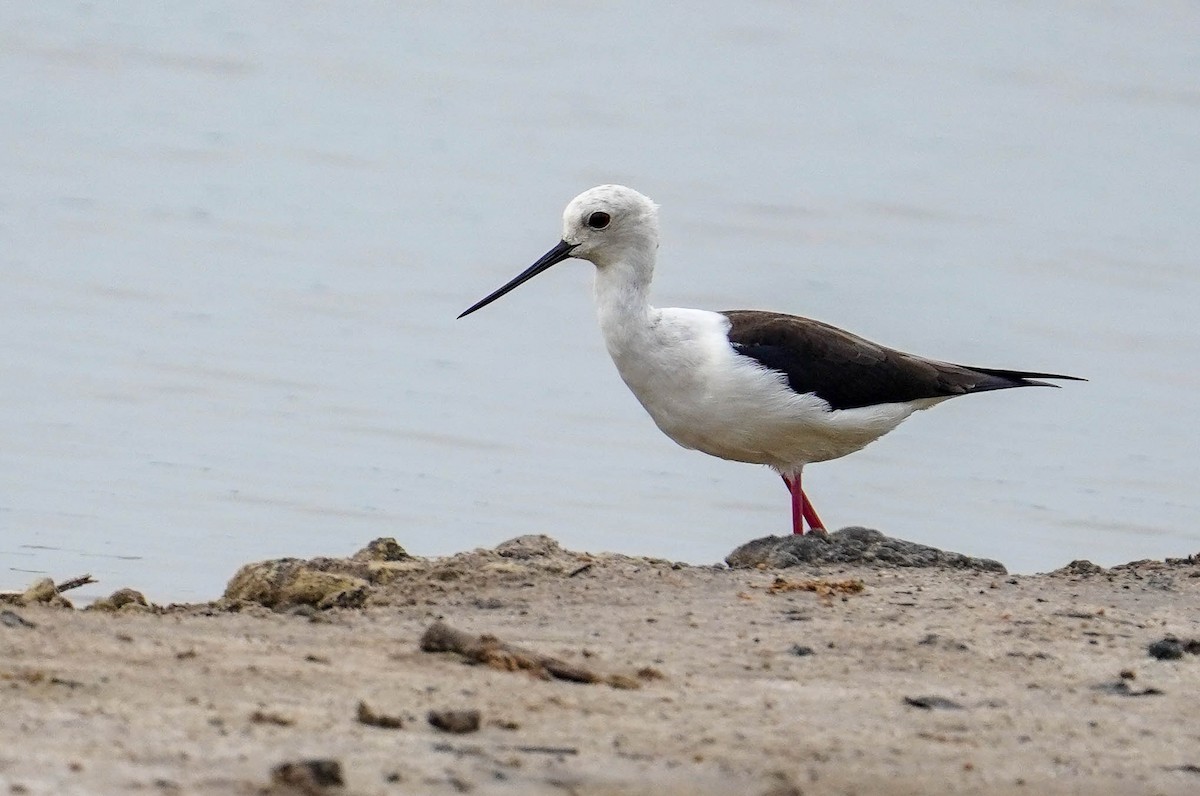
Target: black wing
849,371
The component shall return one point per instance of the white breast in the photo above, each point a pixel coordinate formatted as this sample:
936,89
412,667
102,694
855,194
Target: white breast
706,396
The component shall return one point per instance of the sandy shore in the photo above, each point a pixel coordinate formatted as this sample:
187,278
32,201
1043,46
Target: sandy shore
839,679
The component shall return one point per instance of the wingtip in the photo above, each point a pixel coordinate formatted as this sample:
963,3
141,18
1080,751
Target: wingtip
1039,383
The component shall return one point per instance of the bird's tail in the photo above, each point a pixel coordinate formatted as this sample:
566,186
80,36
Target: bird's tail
1017,378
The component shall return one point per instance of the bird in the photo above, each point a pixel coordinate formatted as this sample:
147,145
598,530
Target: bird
745,385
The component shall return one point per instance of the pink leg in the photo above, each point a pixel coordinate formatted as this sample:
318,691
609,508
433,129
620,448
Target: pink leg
793,485
810,514
802,508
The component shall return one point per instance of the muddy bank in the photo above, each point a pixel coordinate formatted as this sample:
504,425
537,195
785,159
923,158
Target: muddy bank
824,677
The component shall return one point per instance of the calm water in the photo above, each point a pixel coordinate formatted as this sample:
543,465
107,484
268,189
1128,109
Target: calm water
234,238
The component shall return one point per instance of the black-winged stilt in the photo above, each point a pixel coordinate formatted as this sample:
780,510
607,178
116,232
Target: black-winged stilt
745,385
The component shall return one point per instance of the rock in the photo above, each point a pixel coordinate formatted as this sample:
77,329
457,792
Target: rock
1166,649
852,545
120,599
41,591
13,619
366,715
353,596
782,785
529,546
383,549
44,592
286,582
308,776
1080,566
458,721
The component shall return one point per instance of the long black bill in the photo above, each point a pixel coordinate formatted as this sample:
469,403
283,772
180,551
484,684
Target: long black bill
556,255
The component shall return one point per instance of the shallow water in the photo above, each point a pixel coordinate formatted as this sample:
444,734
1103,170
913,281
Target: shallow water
235,239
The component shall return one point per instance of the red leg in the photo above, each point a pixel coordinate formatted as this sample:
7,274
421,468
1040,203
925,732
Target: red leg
793,485
802,508
810,514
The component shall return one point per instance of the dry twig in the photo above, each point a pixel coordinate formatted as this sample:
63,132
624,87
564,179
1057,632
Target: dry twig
493,652
75,583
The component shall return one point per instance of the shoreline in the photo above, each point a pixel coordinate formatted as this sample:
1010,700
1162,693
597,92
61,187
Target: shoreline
830,678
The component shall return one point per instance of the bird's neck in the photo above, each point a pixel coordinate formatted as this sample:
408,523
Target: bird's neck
622,293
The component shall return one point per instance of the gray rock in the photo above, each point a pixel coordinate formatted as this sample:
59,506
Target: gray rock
384,548
1080,566
456,721
1167,649
529,546
853,545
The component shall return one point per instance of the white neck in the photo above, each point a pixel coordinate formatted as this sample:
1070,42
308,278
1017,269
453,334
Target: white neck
622,294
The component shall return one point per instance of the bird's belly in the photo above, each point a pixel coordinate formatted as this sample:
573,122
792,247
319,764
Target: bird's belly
785,443
746,413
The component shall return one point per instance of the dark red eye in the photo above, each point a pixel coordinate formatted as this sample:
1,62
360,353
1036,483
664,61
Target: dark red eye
599,220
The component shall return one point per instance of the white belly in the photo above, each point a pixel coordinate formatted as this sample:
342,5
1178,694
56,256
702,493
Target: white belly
706,396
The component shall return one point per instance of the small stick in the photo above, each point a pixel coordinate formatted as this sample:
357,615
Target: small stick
75,583
490,650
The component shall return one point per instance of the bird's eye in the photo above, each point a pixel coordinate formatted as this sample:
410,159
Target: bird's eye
598,220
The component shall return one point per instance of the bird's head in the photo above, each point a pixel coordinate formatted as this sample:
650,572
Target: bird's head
604,225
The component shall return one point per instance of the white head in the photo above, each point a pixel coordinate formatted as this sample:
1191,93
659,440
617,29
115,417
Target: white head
605,225
609,222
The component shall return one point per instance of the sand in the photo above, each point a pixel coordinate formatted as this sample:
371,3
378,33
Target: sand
819,679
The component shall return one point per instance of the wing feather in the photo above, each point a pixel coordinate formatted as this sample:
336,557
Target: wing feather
849,371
